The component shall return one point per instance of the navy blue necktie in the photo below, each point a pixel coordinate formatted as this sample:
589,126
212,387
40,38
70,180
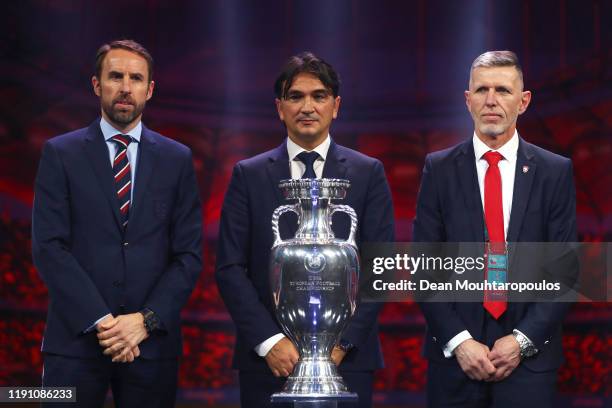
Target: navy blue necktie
308,158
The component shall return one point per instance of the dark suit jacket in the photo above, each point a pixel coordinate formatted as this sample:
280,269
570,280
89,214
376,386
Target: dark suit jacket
93,267
245,240
449,209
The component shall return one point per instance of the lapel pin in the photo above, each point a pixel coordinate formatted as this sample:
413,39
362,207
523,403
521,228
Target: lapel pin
525,169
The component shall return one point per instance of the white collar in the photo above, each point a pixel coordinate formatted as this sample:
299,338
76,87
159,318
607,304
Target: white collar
293,149
508,150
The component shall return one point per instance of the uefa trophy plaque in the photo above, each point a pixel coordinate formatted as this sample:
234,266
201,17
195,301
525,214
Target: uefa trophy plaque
314,278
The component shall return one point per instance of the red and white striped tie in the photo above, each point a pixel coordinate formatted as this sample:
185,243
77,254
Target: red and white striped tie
123,176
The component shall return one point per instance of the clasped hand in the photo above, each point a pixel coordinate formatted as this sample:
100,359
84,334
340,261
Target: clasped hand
480,363
120,336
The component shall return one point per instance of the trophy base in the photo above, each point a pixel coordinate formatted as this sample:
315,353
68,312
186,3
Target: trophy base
314,399
315,380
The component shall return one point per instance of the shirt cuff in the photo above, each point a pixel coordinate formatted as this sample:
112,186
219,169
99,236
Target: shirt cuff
93,326
264,347
449,348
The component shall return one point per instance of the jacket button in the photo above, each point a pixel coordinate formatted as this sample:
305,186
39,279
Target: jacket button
434,339
126,244
547,341
117,283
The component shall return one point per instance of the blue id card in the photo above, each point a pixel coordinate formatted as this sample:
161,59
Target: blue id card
497,261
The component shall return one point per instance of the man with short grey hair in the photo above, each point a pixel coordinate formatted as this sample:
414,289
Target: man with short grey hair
495,188
492,59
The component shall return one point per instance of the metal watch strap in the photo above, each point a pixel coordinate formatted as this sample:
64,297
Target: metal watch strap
526,346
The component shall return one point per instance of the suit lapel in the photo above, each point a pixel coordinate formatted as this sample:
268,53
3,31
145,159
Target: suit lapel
97,152
147,156
335,163
278,169
523,180
336,167
465,163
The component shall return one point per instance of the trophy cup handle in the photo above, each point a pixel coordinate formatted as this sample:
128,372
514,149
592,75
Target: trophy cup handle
351,213
276,216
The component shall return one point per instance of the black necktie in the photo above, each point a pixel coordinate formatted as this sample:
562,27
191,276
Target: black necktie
308,158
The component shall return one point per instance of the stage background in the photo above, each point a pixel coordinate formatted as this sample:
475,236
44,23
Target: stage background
404,66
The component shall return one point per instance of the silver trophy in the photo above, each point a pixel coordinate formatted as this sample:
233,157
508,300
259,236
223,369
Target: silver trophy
314,279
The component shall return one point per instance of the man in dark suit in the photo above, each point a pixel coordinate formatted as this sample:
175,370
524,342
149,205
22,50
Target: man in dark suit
494,353
116,236
307,102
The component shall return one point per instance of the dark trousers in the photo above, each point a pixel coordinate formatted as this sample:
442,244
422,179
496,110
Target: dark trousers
448,386
256,388
142,383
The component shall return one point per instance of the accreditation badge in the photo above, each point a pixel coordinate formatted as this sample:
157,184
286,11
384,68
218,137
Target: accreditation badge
497,270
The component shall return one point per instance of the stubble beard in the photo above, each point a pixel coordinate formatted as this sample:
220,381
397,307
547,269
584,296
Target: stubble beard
123,117
492,130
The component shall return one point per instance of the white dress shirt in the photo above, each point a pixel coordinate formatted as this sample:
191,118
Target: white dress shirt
108,131
507,167
132,151
297,169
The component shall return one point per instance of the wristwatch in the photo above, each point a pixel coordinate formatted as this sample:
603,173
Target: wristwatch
345,345
526,346
151,321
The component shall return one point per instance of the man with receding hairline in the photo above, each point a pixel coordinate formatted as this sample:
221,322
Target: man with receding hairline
494,187
116,232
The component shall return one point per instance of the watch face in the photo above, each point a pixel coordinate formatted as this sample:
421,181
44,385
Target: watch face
153,322
148,322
